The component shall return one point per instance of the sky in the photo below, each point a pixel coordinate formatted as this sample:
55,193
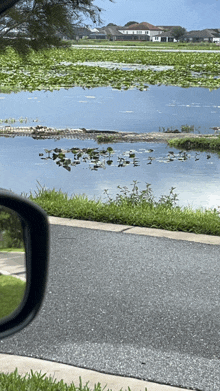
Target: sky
191,14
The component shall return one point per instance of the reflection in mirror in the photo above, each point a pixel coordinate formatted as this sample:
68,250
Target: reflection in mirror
12,262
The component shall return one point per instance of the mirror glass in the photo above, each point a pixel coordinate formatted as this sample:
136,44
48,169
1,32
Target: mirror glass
12,262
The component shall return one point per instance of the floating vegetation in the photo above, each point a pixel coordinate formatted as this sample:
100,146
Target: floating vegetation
93,156
184,129
52,69
187,128
107,138
102,158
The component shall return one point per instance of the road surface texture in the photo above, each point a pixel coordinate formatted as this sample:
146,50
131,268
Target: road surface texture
139,306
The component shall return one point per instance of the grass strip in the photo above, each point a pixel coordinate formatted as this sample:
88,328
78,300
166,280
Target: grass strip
11,294
38,381
135,208
202,144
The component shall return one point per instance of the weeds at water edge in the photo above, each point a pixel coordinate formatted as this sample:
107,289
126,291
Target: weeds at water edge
130,207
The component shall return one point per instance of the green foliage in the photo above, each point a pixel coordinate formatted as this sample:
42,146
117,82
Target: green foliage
130,23
187,128
201,143
11,229
106,138
61,68
178,32
40,24
134,207
11,292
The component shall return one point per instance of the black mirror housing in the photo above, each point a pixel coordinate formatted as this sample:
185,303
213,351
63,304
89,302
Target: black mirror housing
36,239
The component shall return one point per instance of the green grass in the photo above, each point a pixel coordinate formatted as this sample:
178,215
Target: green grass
148,44
11,293
208,143
40,382
131,207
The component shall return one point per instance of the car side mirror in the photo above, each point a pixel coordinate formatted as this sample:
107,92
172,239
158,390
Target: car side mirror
24,251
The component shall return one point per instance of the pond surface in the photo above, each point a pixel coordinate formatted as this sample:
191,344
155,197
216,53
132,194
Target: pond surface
195,177
106,109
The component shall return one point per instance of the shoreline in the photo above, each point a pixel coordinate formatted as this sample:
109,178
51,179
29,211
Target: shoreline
101,136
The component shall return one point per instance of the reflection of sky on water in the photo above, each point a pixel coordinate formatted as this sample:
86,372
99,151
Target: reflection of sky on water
197,182
107,109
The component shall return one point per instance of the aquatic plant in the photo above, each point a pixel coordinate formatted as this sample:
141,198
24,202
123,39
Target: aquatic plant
96,158
62,68
187,128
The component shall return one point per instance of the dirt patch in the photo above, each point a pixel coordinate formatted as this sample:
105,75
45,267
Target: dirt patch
44,132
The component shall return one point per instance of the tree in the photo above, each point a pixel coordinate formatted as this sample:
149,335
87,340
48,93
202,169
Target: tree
42,23
178,32
130,23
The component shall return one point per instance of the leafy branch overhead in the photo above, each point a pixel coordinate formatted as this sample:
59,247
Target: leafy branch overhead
42,23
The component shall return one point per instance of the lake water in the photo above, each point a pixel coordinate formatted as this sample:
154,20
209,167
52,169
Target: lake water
107,109
196,178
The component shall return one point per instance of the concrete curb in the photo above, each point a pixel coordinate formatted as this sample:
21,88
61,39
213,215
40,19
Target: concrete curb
207,239
69,374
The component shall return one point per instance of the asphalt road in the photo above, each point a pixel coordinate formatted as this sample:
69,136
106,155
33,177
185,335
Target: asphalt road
139,306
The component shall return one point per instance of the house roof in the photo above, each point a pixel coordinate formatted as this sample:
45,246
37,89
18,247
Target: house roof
142,26
199,34
167,27
214,32
82,30
111,30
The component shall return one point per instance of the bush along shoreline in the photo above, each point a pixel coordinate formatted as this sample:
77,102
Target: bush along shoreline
133,207
205,143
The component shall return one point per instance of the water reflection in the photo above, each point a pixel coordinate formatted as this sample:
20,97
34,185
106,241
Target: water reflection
195,175
107,109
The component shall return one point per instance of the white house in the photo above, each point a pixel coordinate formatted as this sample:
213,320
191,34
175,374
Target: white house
142,31
166,36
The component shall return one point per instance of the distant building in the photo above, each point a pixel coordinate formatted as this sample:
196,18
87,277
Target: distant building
166,35
146,32
206,35
82,32
141,31
112,33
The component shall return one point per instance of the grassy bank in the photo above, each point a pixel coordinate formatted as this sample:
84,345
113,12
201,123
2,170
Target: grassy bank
135,208
206,143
